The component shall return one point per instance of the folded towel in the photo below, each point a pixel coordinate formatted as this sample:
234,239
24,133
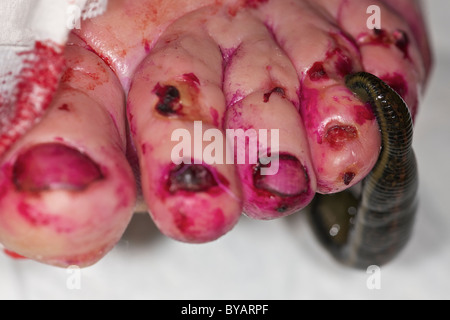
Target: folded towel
32,37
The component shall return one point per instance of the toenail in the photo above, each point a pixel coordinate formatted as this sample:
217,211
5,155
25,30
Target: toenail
290,180
51,166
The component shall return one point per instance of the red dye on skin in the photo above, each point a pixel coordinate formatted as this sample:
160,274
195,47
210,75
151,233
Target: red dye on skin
199,227
146,45
14,255
182,221
343,64
37,82
64,107
192,78
402,42
363,113
37,218
54,166
33,216
4,185
380,36
131,123
399,38
397,82
338,135
317,72
215,116
348,177
254,3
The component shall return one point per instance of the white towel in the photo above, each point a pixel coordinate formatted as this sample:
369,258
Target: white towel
23,24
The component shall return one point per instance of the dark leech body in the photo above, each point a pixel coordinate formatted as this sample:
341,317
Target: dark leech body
53,166
374,229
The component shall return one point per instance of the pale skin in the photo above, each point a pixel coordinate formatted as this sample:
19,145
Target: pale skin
146,68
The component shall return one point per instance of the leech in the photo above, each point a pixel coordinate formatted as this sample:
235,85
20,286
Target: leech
387,204
191,178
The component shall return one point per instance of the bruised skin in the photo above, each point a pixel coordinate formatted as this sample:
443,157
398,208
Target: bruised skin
229,64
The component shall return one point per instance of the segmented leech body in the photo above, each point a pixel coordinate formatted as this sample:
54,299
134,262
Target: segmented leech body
374,229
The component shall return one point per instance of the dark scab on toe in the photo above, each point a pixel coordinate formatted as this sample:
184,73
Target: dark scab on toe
169,100
191,178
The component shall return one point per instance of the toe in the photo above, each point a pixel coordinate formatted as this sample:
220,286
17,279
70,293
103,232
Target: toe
261,89
342,133
175,104
394,53
67,190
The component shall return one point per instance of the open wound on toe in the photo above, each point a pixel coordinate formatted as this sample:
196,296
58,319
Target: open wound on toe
339,61
51,166
169,100
189,179
381,37
338,135
285,191
290,180
181,98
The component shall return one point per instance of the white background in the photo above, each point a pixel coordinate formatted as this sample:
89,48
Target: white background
277,259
